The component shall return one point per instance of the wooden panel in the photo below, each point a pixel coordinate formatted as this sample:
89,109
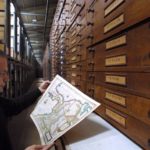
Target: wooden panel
116,117
130,104
123,16
135,83
133,129
135,56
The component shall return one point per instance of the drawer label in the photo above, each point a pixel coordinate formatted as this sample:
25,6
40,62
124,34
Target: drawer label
112,6
74,66
114,23
73,74
73,58
121,80
73,83
73,41
74,49
116,42
115,61
73,33
115,98
2,47
116,117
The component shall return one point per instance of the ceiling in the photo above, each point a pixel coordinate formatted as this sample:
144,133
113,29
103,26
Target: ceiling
37,19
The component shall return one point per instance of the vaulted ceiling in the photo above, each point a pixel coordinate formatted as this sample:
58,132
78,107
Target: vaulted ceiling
37,17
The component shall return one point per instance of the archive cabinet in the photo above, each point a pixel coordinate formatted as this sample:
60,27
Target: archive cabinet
106,52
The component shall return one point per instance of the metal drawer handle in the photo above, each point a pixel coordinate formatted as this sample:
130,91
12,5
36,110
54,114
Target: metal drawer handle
90,24
90,10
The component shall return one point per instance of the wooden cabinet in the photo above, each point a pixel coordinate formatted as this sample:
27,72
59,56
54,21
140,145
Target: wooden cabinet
107,56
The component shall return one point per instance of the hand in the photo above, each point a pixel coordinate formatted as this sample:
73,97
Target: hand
39,147
44,86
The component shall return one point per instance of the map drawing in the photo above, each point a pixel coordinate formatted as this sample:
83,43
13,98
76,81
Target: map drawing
60,108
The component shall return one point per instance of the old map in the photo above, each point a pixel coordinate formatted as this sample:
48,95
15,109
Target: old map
60,108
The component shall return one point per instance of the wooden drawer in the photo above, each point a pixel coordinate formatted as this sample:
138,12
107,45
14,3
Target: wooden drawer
134,83
76,66
124,15
133,128
132,105
76,8
81,85
77,75
122,52
76,56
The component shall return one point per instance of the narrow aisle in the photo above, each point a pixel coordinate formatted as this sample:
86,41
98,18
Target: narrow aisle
22,130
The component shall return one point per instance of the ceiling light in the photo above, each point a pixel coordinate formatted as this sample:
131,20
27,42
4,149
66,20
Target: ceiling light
34,20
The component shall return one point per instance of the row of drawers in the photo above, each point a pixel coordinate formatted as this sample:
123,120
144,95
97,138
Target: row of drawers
135,83
126,52
135,106
135,129
94,24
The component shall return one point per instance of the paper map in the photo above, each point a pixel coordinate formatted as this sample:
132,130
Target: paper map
60,108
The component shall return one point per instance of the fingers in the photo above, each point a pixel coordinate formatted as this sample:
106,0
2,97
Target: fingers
47,147
34,147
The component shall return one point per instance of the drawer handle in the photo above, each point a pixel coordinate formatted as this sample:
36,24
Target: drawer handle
78,75
91,90
90,24
91,50
90,10
91,76
79,35
79,66
78,24
79,45
91,63
90,37
78,5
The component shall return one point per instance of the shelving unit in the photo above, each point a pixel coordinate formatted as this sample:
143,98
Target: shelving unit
14,44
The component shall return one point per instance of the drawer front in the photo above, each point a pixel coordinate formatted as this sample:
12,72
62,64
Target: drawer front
135,83
118,15
132,105
77,75
77,66
128,125
122,53
81,85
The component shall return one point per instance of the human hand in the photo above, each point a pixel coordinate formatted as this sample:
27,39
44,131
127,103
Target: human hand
39,147
44,86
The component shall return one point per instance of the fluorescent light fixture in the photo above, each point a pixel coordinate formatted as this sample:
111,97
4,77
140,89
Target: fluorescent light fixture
34,20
